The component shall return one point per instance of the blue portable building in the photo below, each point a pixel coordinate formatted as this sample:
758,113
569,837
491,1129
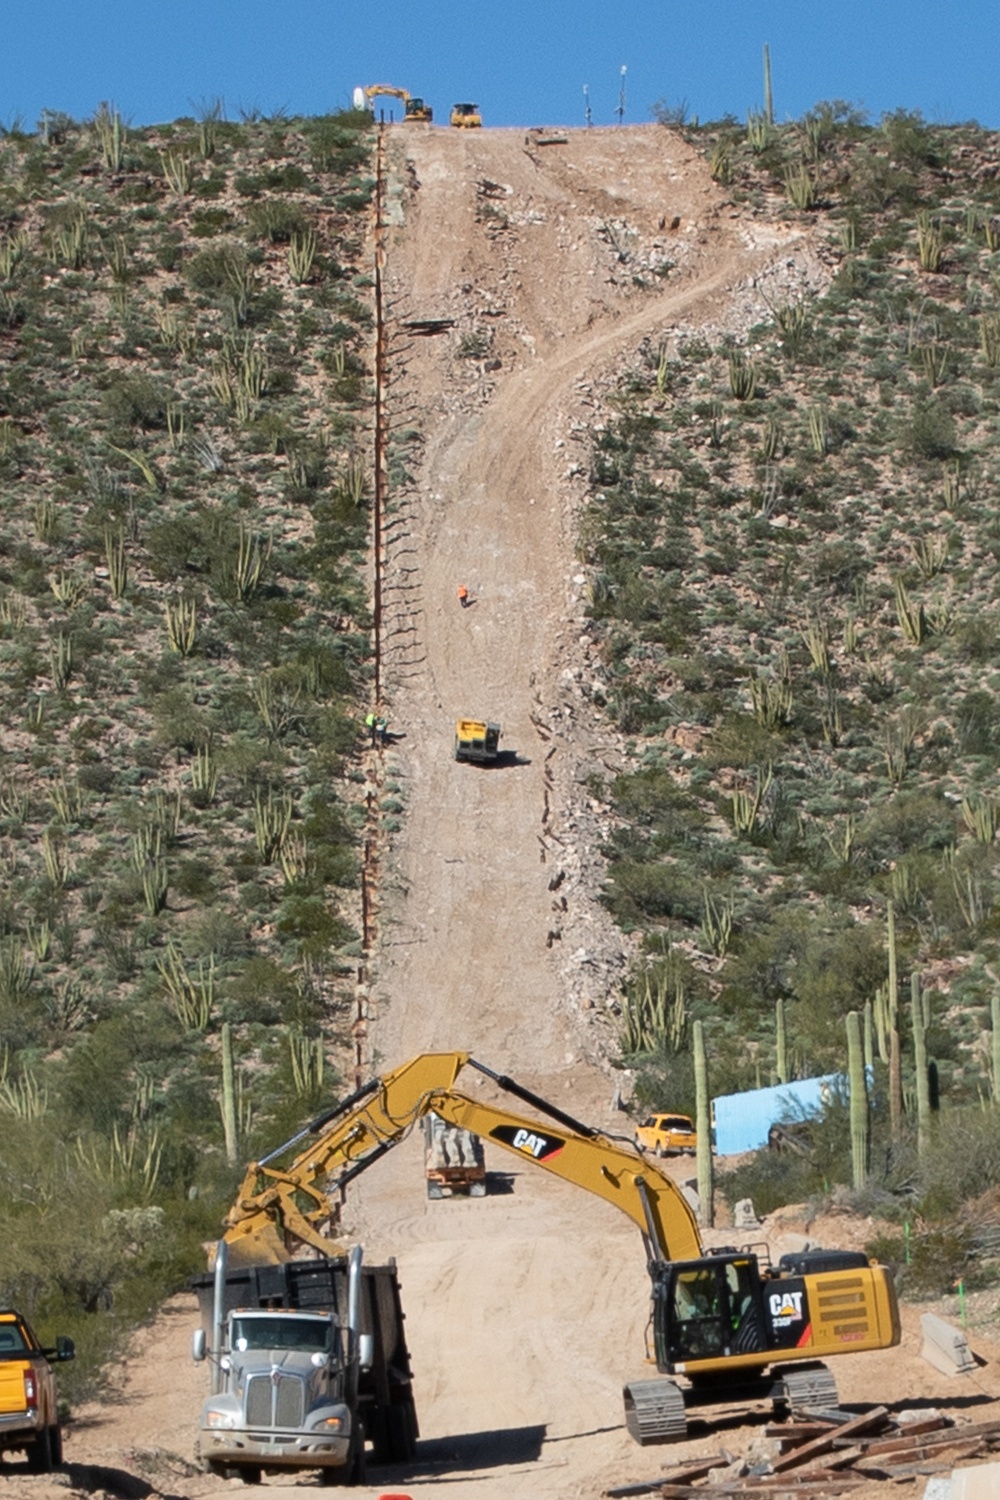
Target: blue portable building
742,1121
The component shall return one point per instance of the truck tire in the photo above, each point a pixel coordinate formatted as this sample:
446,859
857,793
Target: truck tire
402,1438
40,1460
435,1190
57,1447
477,1190
249,1473
355,1469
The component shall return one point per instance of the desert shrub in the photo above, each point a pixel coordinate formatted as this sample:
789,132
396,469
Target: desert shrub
135,401
651,892
276,220
977,723
927,1263
930,432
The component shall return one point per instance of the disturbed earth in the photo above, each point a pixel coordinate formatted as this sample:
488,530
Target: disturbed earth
547,263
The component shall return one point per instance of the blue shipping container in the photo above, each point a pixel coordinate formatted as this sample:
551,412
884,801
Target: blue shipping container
742,1121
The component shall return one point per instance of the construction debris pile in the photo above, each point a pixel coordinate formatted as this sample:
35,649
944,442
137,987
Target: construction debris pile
829,1453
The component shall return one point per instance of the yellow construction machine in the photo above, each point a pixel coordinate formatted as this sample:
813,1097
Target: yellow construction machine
476,740
415,111
727,1326
466,116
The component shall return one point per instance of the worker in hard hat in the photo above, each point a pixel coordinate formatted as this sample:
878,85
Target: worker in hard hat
463,595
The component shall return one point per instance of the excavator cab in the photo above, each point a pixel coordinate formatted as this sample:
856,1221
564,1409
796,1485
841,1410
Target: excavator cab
708,1309
416,111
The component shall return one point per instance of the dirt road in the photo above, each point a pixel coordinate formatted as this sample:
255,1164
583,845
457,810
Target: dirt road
550,264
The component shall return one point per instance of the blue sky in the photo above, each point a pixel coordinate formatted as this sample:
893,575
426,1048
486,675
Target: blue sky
524,63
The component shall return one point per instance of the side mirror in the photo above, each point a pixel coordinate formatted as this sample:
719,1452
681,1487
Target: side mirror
198,1345
65,1347
366,1350
319,1359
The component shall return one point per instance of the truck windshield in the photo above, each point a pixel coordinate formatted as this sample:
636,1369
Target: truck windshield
305,1334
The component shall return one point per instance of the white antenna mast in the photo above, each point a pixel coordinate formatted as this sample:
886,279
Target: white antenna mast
621,96
586,104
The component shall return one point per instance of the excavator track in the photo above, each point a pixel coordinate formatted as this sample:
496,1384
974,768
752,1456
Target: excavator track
807,1388
654,1411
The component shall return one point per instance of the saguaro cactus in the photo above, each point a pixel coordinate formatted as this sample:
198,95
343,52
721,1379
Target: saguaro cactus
920,1065
859,1100
704,1126
781,1042
895,1062
228,1094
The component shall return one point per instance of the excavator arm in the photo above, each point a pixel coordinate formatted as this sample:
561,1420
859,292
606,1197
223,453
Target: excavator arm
277,1202
372,90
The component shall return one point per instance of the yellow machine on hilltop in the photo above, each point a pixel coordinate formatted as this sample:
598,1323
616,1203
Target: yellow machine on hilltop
415,111
476,740
466,116
727,1326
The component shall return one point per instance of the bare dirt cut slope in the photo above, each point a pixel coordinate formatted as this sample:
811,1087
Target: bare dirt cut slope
526,1310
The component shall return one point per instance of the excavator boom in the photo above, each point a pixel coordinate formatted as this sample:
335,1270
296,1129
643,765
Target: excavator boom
346,1140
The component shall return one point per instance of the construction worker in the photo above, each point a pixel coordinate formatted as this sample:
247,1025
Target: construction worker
463,595
371,724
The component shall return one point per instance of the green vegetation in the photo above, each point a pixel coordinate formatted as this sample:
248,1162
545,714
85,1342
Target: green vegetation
792,540
183,641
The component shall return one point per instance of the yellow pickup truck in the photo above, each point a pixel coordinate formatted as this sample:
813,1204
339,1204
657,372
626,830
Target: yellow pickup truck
29,1416
666,1135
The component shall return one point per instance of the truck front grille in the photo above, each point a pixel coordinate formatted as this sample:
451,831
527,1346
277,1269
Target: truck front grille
275,1401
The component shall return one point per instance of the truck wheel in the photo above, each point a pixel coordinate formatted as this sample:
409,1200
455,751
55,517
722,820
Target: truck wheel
435,1190
402,1439
354,1471
477,1190
57,1446
250,1473
40,1453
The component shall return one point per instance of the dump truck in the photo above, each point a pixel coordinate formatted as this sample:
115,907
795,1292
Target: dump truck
466,116
454,1160
476,740
727,1326
309,1365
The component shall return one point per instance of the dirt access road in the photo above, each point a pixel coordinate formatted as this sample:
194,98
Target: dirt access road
526,1309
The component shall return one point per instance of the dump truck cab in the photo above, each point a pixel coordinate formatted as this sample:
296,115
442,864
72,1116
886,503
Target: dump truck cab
476,740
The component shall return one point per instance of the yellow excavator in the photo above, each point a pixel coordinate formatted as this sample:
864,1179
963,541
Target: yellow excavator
727,1326
415,111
